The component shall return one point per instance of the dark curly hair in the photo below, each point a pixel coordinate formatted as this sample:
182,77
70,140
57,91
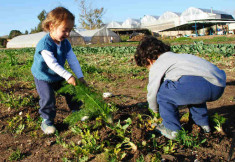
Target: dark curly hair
149,48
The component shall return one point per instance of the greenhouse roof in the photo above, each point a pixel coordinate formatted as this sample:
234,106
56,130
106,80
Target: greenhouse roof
169,15
131,23
213,11
103,32
114,24
148,20
200,24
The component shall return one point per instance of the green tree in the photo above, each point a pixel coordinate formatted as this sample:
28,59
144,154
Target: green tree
90,18
41,17
14,33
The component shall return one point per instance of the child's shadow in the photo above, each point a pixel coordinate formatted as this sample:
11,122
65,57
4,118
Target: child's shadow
62,126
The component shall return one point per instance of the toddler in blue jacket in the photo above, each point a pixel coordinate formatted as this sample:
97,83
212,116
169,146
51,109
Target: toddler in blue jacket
48,66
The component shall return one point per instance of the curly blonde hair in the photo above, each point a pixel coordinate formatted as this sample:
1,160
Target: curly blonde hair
56,17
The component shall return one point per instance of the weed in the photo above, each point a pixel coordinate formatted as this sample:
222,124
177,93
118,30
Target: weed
16,155
13,60
185,118
154,142
188,140
13,101
119,129
16,125
60,141
88,145
20,123
140,159
219,121
169,148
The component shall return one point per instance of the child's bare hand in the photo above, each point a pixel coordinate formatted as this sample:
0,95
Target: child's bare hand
72,80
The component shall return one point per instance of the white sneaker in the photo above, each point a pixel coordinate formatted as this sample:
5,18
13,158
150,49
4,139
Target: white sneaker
206,128
48,128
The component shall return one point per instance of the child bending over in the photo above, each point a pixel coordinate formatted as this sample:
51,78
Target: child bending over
178,79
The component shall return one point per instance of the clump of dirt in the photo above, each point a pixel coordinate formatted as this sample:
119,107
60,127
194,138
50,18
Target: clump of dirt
138,37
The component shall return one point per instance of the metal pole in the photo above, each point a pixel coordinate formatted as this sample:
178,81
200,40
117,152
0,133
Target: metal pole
203,30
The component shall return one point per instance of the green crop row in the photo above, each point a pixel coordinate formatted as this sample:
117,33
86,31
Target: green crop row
195,48
201,48
117,51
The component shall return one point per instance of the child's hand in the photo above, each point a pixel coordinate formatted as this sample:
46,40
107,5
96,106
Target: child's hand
72,80
83,81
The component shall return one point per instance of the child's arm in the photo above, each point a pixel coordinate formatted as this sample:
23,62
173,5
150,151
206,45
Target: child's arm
156,74
74,64
54,65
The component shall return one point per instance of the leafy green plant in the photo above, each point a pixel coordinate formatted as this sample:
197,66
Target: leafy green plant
60,141
140,159
188,140
219,121
87,145
16,155
169,148
154,142
16,125
12,56
214,51
125,143
20,123
13,101
185,118
119,129
93,106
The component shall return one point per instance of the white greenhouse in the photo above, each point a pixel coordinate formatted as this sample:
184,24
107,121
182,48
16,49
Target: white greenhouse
23,41
31,40
193,13
192,19
172,17
76,39
103,35
114,24
131,23
148,20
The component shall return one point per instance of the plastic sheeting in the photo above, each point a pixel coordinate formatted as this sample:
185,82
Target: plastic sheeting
114,24
76,39
23,41
193,13
31,40
131,23
103,35
171,19
148,20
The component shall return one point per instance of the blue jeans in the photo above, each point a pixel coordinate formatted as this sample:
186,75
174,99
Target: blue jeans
193,91
47,102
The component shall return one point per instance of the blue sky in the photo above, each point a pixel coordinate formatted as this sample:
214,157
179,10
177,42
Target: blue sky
22,14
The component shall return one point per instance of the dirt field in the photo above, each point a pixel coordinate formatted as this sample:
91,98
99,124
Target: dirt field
37,147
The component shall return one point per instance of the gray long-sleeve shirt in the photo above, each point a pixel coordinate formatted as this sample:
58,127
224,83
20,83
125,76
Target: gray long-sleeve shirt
172,66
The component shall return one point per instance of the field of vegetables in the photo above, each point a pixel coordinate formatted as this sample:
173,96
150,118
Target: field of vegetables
119,127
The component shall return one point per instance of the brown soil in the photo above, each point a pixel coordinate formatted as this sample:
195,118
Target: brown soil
138,37
37,147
